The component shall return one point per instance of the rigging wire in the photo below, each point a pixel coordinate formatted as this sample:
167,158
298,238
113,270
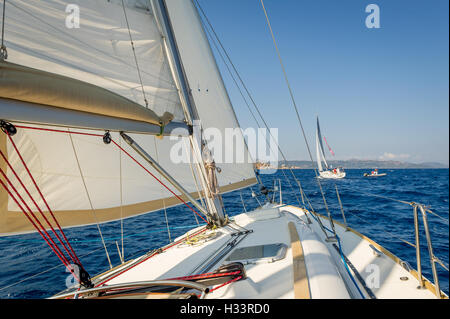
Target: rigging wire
119,147
73,257
46,237
121,203
143,167
134,53
196,184
296,111
245,100
3,52
89,198
410,203
67,35
43,272
163,200
217,39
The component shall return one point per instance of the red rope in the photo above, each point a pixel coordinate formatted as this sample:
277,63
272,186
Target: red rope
58,252
202,276
51,212
147,258
54,248
74,257
158,180
226,283
37,206
118,146
206,275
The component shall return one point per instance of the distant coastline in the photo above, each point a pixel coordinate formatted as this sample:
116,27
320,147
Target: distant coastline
353,164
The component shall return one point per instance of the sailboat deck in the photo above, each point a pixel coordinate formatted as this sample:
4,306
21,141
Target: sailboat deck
370,270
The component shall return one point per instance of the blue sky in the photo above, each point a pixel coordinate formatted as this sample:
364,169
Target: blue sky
379,93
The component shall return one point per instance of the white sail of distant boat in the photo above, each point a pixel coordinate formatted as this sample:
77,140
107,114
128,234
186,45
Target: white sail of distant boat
325,171
88,118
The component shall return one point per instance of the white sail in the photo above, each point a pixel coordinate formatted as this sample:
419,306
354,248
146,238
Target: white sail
209,95
84,180
41,35
320,154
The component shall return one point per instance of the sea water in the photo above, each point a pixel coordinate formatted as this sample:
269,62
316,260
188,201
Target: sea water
29,268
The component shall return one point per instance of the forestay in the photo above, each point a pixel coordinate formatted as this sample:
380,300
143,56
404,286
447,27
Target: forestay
209,94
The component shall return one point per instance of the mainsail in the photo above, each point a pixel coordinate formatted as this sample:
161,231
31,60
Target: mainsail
320,154
119,50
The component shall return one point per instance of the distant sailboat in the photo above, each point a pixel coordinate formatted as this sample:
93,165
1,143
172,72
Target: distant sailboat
326,172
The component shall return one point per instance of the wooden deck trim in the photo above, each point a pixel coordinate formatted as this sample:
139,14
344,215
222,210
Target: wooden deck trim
301,283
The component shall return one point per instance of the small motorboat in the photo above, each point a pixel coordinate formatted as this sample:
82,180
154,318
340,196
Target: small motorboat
374,173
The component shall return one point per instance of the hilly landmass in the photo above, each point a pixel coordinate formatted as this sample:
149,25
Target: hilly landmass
355,164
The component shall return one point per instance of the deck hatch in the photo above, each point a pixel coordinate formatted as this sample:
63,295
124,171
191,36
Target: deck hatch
269,253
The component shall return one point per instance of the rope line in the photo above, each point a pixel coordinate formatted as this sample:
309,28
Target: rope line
40,228
164,202
296,111
73,257
217,39
342,257
3,51
122,149
226,283
154,253
89,197
38,225
3,23
134,53
137,162
42,197
121,204
410,203
54,247
43,272
46,237
68,35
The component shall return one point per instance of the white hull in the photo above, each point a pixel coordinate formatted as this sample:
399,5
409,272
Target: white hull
375,175
309,267
331,174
